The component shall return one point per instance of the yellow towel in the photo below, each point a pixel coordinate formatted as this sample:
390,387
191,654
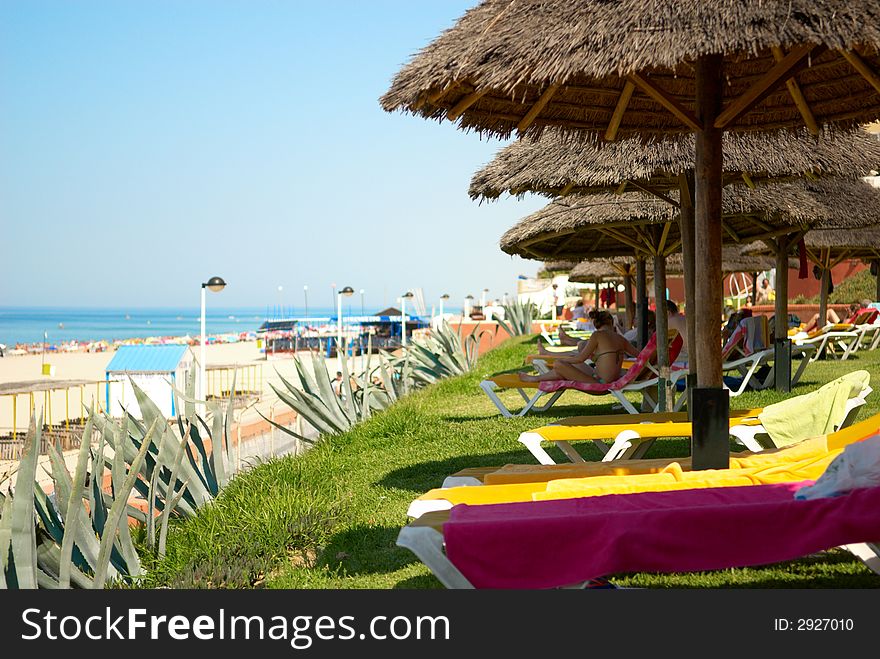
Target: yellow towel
536,473
815,413
807,469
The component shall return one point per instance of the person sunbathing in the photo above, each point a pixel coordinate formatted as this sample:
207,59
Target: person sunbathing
831,317
607,349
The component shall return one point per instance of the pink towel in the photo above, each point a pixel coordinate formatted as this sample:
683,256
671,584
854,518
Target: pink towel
555,543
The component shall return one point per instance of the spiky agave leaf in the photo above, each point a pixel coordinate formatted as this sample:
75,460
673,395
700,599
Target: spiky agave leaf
24,538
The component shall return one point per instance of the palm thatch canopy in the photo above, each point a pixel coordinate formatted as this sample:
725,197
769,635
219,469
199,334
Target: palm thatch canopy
554,165
621,225
619,267
614,68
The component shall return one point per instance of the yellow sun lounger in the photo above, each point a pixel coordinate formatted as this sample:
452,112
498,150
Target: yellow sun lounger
803,461
632,436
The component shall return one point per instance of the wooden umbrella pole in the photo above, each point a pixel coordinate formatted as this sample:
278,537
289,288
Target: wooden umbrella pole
641,302
711,404
823,295
877,265
686,184
781,345
663,398
628,300
754,288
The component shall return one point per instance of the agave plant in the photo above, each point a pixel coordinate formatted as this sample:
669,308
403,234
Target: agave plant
442,354
518,318
178,466
316,402
80,536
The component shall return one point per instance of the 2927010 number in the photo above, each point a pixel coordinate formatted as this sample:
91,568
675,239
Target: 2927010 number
824,624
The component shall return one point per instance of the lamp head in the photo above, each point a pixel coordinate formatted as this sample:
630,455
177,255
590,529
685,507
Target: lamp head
445,296
469,297
215,284
306,287
407,295
348,291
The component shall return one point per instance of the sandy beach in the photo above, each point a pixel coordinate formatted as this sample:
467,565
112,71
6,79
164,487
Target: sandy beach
91,367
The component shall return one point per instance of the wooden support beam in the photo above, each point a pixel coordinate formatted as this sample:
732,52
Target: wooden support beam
730,232
797,96
535,110
541,237
647,239
464,103
677,109
748,180
664,235
568,188
781,71
626,240
862,67
619,110
758,222
621,188
651,191
672,247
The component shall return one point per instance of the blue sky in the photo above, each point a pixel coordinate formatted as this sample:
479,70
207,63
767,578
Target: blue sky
145,146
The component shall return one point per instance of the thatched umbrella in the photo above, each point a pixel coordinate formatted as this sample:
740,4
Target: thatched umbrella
633,223
554,165
827,248
609,68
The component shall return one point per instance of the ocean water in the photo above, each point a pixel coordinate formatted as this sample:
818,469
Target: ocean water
62,324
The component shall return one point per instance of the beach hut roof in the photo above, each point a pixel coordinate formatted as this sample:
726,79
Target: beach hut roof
390,311
554,164
147,359
617,225
622,67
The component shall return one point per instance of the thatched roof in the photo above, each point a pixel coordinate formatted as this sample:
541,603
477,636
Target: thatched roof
554,165
618,225
521,65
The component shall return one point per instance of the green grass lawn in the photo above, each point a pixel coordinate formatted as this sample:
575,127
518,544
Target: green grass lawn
329,518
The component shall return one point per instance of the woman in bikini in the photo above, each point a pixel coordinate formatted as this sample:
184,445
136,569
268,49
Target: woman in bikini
607,349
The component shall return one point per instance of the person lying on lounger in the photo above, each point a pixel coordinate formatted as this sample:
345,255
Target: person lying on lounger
607,349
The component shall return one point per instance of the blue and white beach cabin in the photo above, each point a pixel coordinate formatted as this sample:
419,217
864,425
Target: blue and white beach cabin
152,367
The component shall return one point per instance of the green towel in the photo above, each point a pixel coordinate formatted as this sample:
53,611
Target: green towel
816,413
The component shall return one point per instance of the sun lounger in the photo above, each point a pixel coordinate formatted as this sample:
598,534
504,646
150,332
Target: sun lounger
838,340
628,382
547,544
631,437
522,473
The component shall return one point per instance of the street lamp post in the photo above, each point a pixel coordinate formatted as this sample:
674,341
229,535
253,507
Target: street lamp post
215,285
348,291
467,306
306,296
403,299
362,302
280,302
483,298
443,298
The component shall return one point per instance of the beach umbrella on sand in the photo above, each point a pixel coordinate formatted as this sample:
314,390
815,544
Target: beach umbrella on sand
555,165
827,248
618,68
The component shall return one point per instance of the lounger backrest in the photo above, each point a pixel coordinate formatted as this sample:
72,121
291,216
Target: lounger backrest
647,355
757,336
734,343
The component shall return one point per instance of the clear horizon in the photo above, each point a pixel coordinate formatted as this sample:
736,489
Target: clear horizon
148,146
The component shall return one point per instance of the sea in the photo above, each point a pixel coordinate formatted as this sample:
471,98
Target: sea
56,325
